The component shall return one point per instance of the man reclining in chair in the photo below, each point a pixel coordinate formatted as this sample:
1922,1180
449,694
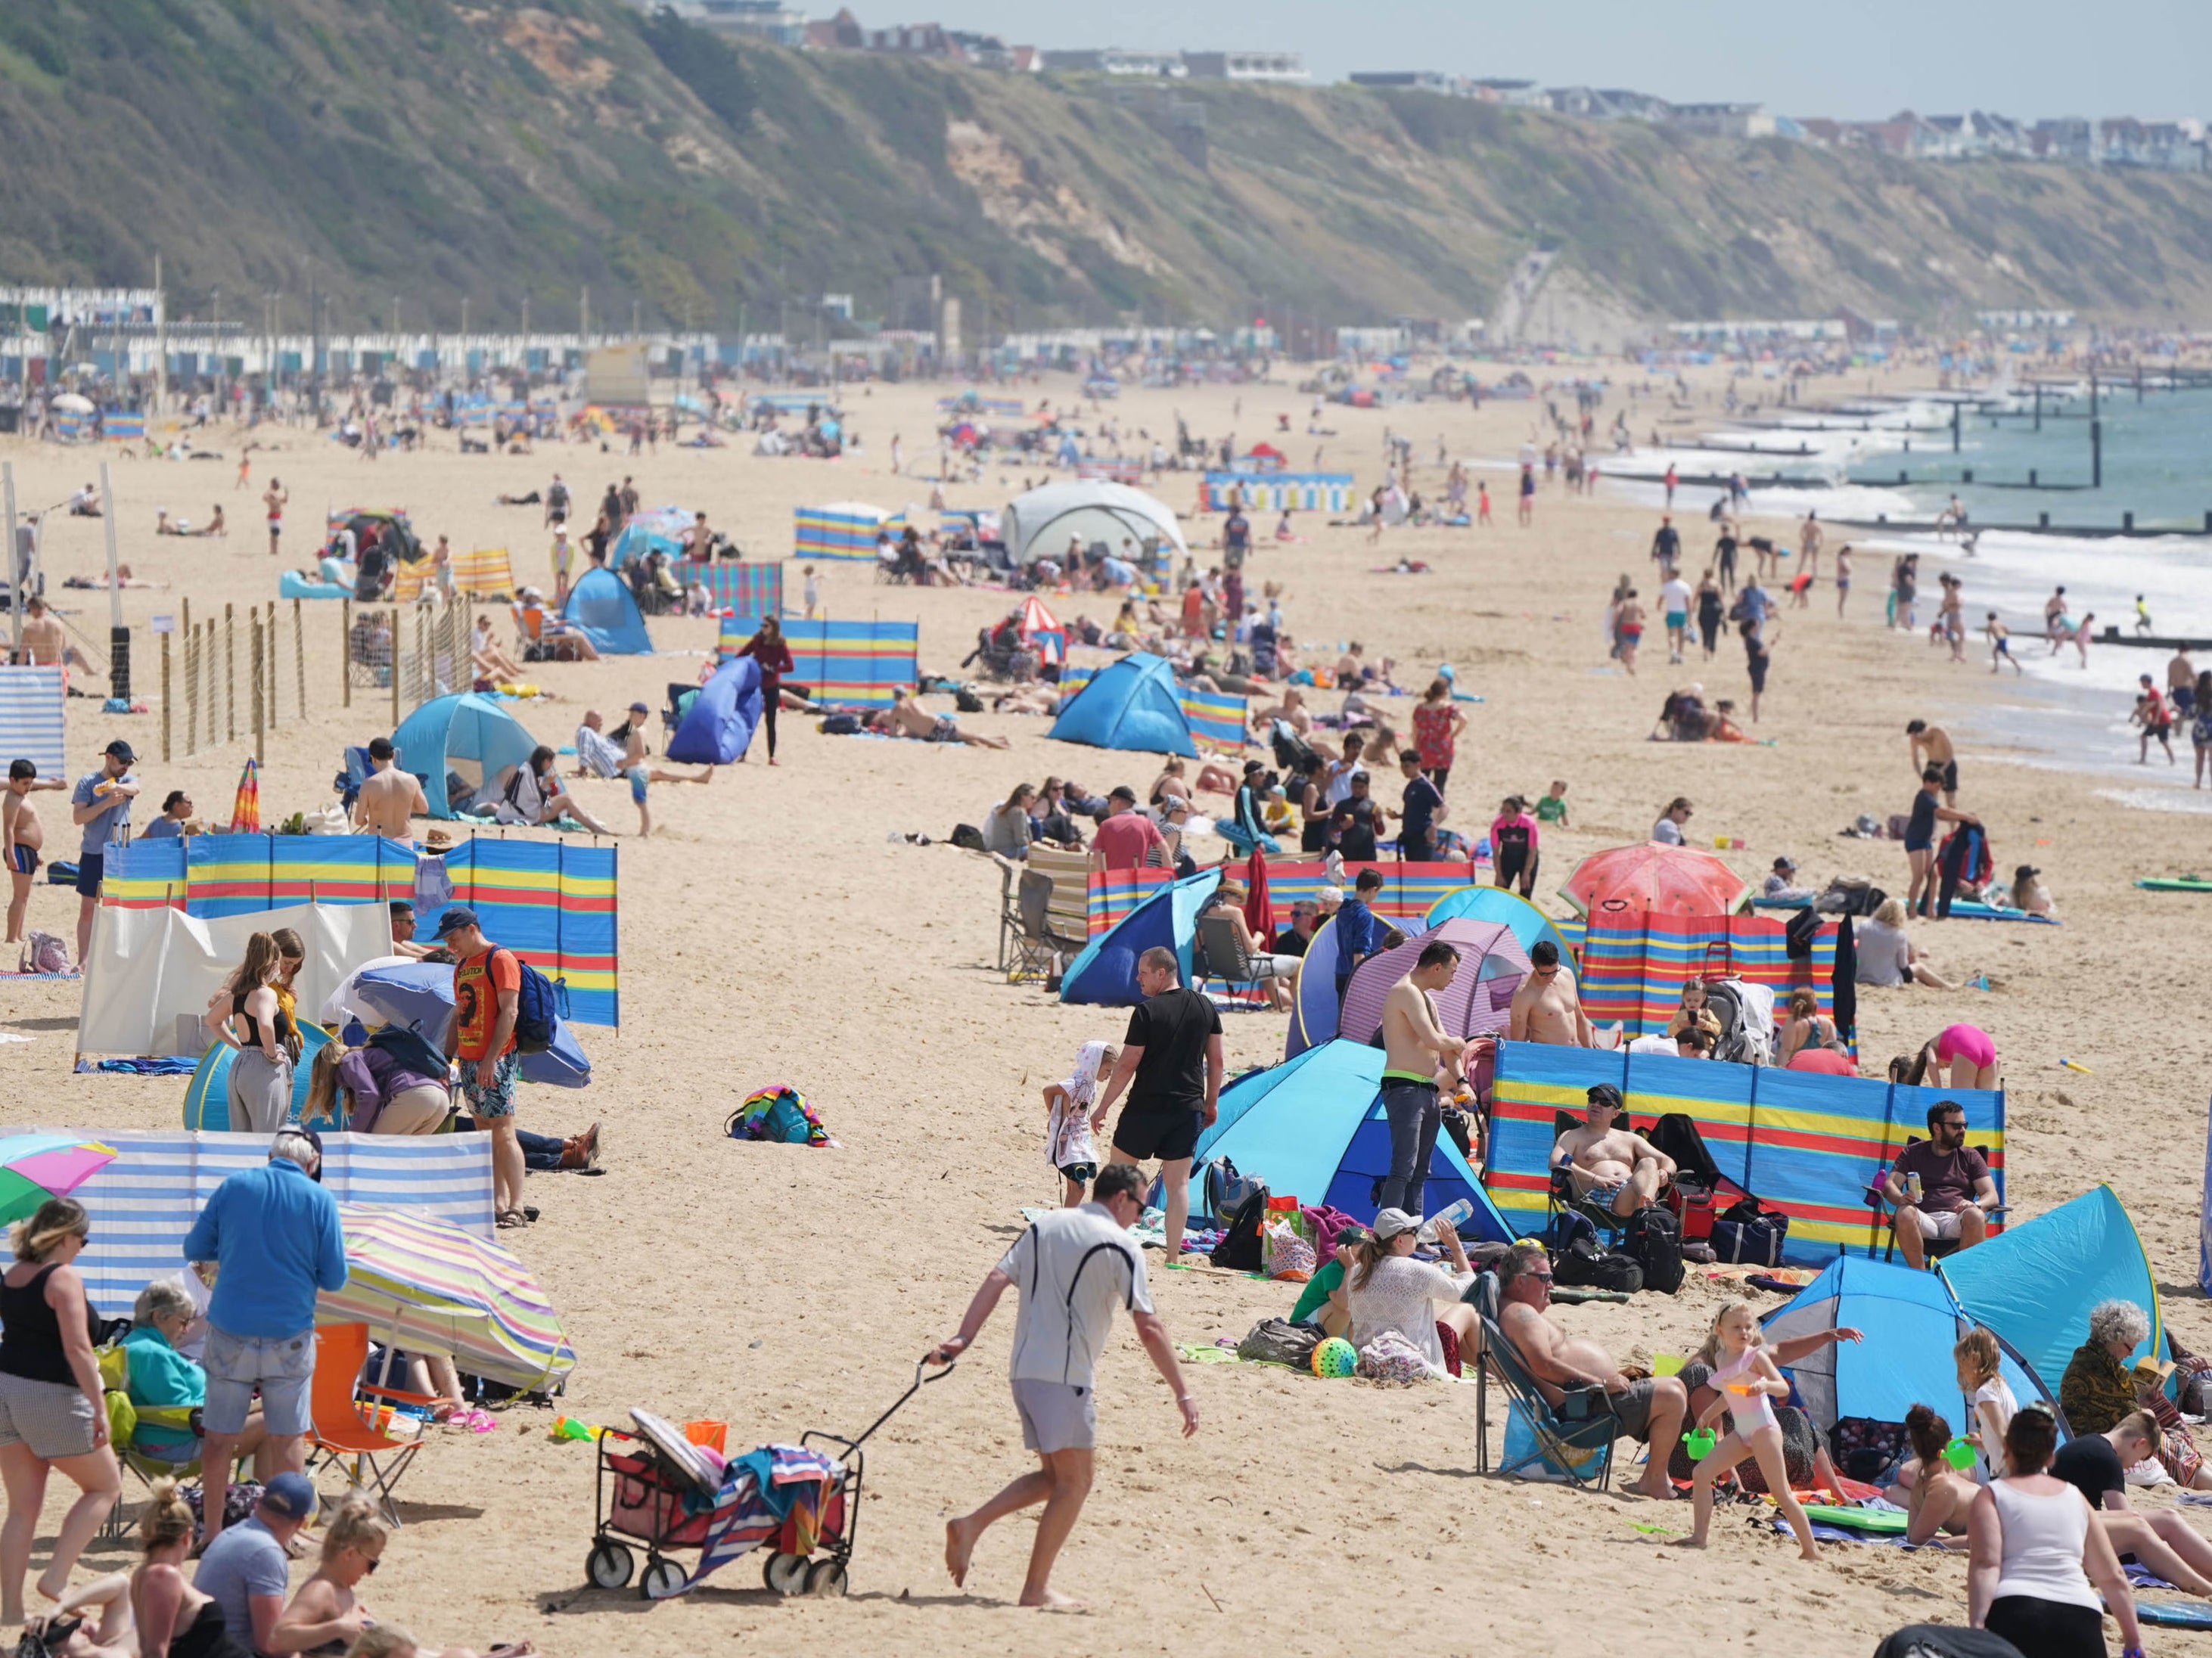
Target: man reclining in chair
1650,1410
1615,1167
1955,1190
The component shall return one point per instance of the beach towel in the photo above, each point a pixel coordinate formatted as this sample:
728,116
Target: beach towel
1067,1139
748,1513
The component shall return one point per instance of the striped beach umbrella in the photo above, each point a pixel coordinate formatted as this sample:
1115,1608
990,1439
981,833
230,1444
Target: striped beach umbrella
427,1286
245,809
36,1167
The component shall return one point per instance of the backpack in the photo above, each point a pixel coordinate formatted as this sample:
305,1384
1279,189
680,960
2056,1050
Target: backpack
1747,1234
1654,1241
1585,1265
412,1049
1275,1341
1239,1250
1226,1191
967,838
539,1007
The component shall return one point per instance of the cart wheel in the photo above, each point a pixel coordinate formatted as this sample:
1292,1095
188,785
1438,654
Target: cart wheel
786,1573
610,1566
662,1579
826,1579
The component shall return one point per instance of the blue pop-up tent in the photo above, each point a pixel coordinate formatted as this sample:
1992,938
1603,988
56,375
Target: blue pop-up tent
2034,1284
718,726
1313,1128
1105,974
207,1096
602,605
1911,1321
1528,923
456,744
1133,704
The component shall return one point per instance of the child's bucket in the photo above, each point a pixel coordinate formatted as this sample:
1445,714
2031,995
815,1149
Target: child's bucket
710,1434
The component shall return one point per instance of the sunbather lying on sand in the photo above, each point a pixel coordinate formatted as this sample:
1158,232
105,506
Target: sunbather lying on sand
906,717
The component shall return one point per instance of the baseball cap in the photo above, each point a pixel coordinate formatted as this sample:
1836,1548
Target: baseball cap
1785,862
1389,1222
290,1494
640,707
455,916
121,751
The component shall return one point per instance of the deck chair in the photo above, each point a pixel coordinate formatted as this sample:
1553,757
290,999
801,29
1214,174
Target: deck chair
1069,910
125,1418
1562,1196
1031,945
341,1430
1578,1437
1225,957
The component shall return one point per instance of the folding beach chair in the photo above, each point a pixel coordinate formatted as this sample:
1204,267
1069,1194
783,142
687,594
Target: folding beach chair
1574,1437
1562,1196
1933,1249
1030,936
1069,913
1223,957
342,1411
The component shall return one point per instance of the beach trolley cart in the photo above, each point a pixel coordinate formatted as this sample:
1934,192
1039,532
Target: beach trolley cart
657,1488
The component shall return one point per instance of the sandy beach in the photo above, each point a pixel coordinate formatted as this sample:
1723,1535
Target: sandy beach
777,928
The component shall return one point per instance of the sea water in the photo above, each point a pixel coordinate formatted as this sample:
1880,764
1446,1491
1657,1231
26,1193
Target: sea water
2157,464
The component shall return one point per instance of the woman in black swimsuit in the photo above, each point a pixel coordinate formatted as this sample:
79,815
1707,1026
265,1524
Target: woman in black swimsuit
162,1599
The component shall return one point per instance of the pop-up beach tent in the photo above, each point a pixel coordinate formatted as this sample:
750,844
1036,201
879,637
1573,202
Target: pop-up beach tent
207,1096
1094,512
1499,904
1911,1322
718,726
1313,1128
651,529
2034,1284
456,744
602,605
1133,704
1105,974
1491,965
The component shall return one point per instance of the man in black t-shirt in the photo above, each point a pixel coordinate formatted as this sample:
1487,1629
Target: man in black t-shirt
2096,1465
1415,836
1171,1066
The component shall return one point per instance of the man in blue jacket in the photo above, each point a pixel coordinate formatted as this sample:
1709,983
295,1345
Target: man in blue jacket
273,1233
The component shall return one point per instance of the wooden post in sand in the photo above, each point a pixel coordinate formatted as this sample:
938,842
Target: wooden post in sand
208,654
269,644
260,718
165,699
229,677
300,658
191,680
345,652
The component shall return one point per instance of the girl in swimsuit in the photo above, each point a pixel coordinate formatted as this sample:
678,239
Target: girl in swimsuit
172,1615
1745,1381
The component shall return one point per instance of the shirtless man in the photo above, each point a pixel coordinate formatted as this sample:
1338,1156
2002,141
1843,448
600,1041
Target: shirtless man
1414,1045
1547,1009
389,797
1809,542
906,718
1615,1167
1931,746
21,837
1650,1410
273,499
2054,618
45,643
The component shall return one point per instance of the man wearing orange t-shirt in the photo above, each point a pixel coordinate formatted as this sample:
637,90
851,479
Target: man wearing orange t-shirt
486,993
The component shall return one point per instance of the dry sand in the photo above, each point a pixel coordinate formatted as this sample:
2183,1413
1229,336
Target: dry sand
773,932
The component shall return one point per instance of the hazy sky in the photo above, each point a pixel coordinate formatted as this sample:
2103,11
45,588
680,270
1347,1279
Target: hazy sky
1873,58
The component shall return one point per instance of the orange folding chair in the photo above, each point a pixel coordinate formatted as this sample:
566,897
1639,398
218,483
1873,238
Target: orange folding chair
345,1412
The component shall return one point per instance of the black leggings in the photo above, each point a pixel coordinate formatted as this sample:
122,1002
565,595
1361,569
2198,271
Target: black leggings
2047,1628
768,717
1517,863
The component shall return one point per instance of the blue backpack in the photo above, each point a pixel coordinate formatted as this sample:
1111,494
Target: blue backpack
539,1007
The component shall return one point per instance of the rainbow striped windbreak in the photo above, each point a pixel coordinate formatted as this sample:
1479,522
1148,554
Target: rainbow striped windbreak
1807,1144
826,533
1633,973
1408,890
551,903
853,665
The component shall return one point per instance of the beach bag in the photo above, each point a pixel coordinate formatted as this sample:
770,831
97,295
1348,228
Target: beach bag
1523,1439
1654,1241
841,725
1239,1250
45,953
539,1007
1276,1341
779,1114
1746,1234
1393,1360
1286,1254
1584,1265
967,838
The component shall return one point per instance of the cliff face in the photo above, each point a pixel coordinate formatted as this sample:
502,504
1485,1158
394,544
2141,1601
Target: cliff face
433,150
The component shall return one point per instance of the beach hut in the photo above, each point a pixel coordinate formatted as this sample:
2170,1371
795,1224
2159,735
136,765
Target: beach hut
844,531
1105,974
1038,524
717,728
1133,704
457,744
1313,1128
1910,1319
603,606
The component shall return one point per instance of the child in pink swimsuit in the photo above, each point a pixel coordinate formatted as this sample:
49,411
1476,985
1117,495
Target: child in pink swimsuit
1971,1054
1746,1384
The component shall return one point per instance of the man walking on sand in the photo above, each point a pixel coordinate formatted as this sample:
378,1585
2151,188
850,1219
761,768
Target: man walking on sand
389,797
1074,1266
1171,1066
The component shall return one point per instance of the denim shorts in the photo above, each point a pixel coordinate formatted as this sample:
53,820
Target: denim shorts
282,1367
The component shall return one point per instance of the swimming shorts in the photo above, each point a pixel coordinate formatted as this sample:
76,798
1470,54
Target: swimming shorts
1677,620
1630,633
23,859
1843,584
636,775
1968,1042
1950,776
945,731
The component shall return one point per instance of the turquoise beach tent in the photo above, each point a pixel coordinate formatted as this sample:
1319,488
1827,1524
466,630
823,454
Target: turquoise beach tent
1133,704
206,1097
1911,1322
1498,904
464,736
1313,1128
2034,1284
717,723
1105,974
601,604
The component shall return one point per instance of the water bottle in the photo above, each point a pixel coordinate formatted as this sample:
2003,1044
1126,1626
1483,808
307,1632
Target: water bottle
1455,1213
